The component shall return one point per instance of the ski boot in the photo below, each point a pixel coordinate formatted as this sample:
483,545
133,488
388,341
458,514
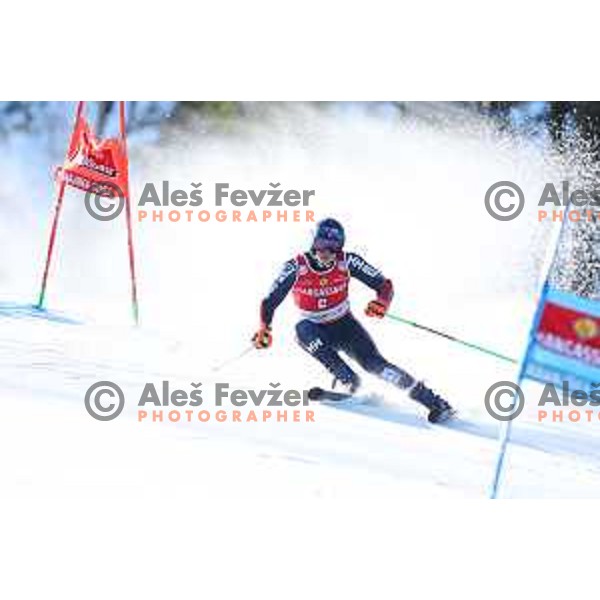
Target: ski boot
439,409
348,380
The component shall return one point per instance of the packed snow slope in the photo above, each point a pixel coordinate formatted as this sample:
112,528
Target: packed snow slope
383,447
410,193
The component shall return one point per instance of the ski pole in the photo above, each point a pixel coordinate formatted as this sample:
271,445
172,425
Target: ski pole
453,339
232,359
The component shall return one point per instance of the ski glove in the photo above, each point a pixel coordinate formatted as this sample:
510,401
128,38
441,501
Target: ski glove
263,338
376,308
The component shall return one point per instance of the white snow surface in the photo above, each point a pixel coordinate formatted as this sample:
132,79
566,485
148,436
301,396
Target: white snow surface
380,448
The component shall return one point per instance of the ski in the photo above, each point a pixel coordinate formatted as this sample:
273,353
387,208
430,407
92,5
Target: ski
319,394
442,417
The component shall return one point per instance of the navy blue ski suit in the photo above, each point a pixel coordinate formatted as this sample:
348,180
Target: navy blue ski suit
325,339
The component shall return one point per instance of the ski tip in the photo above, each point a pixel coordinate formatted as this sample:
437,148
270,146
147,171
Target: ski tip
315,393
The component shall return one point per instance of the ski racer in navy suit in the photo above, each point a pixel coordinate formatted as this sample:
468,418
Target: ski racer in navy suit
319,281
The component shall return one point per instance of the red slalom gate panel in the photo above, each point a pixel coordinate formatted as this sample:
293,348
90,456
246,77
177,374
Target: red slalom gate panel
97,166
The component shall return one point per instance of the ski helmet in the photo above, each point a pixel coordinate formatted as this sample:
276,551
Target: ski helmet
329,235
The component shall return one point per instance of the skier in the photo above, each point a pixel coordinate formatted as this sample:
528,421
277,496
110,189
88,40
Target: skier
319,280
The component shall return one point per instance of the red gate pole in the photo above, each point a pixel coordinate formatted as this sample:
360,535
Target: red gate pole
134,298
57,208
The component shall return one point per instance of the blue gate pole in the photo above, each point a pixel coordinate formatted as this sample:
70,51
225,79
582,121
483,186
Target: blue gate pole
505,435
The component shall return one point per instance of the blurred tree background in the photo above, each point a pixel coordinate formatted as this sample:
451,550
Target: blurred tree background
571,128
558,119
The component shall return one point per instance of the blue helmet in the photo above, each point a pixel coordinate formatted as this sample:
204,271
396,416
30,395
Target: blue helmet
329,235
